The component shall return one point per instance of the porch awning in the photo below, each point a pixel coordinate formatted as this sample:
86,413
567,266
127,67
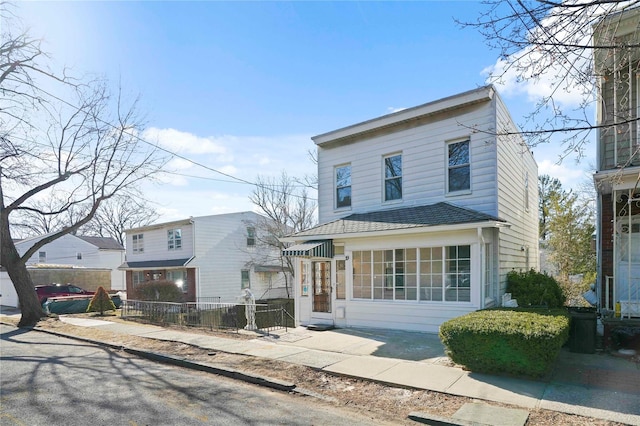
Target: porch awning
317,248
156,264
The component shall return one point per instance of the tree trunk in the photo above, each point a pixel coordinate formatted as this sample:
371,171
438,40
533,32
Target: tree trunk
17,269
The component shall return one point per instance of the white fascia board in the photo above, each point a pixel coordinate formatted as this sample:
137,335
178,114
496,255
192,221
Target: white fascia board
405,231
159,226
482,94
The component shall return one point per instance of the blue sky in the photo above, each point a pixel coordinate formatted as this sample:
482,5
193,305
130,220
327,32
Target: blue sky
242,86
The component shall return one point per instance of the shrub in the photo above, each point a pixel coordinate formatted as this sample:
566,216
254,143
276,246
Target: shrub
101,302
517,341
533,288
158,291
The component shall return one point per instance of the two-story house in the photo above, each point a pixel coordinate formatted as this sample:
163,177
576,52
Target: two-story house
422,214
617,177
88,262
210,257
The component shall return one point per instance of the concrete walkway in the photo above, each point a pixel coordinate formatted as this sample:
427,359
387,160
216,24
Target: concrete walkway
599,386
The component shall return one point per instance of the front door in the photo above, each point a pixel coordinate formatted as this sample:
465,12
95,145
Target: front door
321,286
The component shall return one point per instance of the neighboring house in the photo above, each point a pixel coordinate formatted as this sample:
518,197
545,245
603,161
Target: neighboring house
617,175
76,258
422,213
210,257
82,251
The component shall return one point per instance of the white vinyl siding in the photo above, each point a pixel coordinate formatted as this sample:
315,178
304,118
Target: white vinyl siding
157,243
423,165
518,242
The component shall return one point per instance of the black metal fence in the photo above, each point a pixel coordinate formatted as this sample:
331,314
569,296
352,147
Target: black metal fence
210,315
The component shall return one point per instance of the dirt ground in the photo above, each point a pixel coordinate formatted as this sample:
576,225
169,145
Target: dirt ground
381,402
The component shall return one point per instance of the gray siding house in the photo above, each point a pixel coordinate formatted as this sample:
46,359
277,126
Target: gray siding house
422,213
209,257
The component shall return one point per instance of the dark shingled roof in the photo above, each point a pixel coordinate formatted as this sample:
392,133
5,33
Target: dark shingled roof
408,217
106,243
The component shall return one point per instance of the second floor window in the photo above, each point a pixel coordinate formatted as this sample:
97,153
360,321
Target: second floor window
393,177
251,236
137,243
42,256
459,169
343,186
174,239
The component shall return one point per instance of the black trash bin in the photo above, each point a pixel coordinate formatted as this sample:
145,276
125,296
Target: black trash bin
582,332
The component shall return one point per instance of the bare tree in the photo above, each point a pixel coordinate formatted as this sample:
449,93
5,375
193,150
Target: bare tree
120,213
549,47
61,138
288,209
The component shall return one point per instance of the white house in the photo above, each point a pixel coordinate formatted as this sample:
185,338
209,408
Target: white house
210,257
617,174
422,213
69,253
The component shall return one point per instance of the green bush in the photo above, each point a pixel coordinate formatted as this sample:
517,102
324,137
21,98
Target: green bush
533,288
521,342
101,302
158,291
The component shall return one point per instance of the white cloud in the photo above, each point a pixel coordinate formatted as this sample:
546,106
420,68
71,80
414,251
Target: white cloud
569,176
184,142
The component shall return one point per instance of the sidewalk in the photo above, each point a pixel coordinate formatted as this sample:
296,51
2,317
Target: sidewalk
598,386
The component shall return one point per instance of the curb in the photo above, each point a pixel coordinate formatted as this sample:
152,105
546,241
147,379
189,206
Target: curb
435,420
181,362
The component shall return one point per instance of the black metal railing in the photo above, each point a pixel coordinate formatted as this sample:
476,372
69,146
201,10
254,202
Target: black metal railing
214,316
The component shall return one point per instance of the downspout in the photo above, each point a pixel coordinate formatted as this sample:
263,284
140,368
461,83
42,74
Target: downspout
483,261
193,253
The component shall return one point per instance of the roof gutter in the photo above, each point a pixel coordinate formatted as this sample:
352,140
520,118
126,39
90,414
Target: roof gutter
392,232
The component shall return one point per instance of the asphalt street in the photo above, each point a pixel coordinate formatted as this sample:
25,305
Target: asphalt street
49,380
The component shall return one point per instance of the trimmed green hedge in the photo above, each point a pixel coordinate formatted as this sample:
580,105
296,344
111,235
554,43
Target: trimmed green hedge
533,288
521,342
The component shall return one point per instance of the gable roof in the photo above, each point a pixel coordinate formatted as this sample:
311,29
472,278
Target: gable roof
105,243
403,218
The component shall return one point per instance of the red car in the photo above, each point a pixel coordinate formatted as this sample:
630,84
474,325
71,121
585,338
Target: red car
54,290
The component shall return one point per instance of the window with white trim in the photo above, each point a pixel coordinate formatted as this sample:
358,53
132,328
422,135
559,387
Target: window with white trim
343,186
137,243
251,236
393,177
245,279
42,257
458,166
137,277
174,239
427,274
78,256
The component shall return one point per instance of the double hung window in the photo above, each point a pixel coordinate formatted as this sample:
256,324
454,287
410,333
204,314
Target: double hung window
137,243
343,186
459,166
393,177
174,239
